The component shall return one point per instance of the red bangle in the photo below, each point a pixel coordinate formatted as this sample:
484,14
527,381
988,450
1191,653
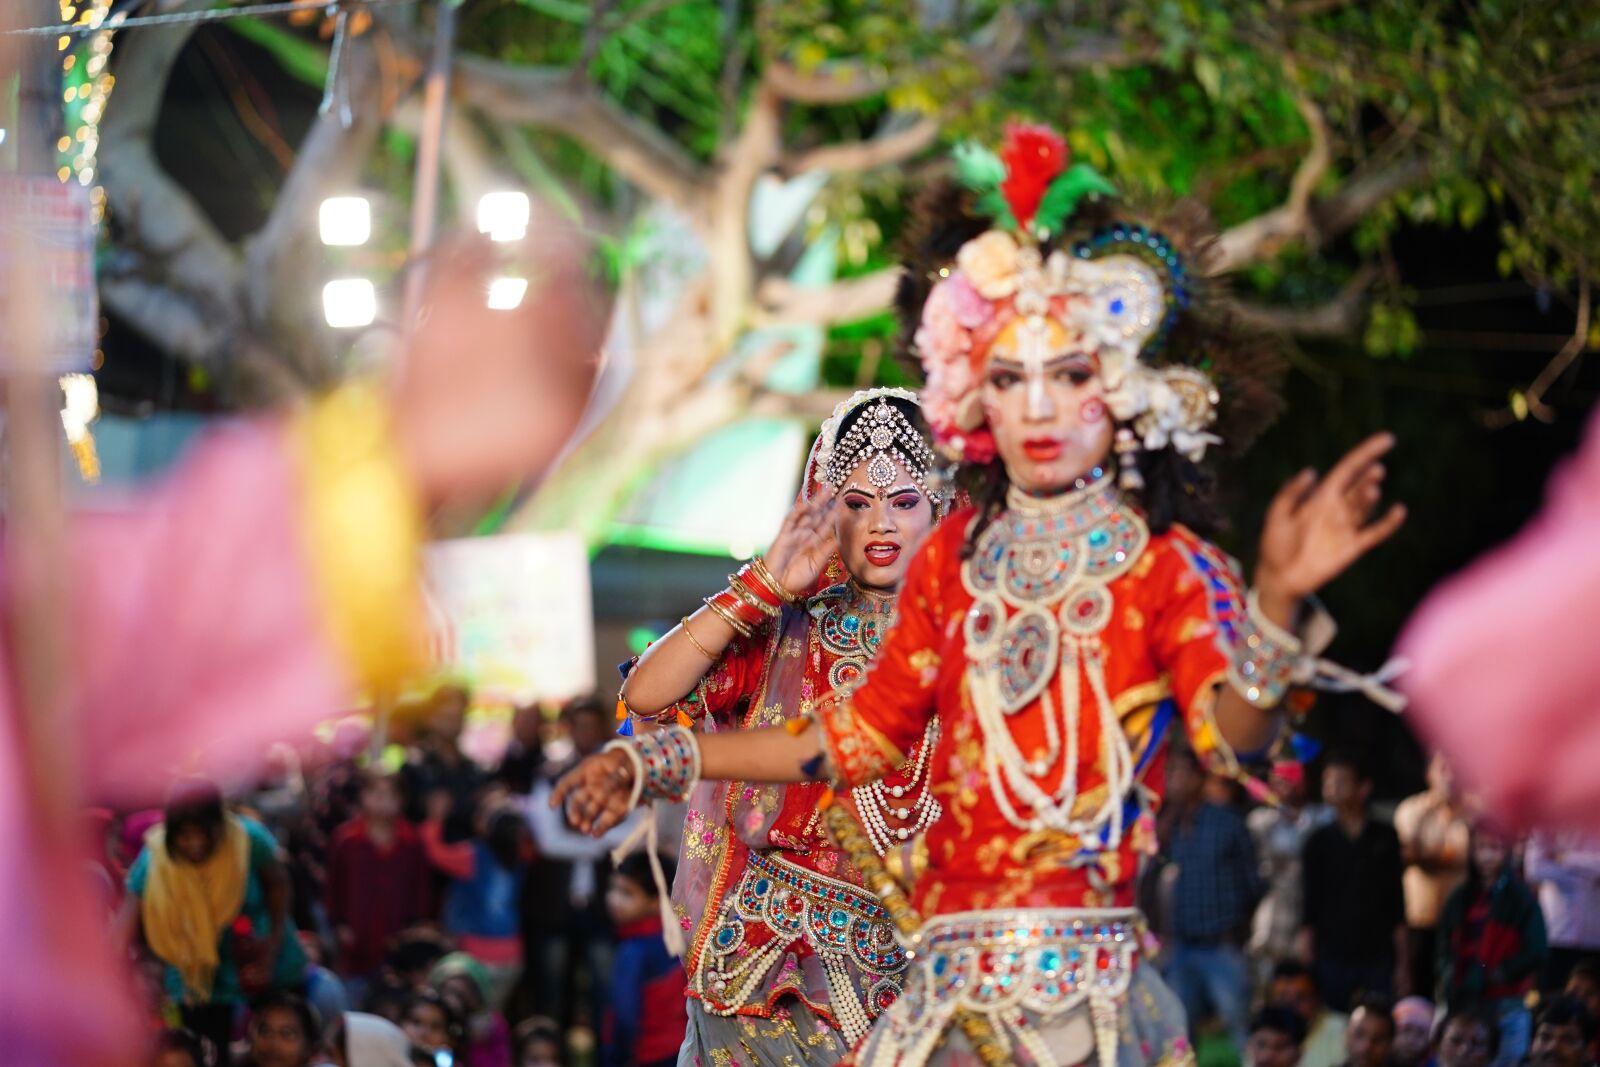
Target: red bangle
748,582
759,572
736,611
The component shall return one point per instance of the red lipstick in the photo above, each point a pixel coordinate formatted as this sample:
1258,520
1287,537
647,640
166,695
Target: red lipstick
1042,449
881,553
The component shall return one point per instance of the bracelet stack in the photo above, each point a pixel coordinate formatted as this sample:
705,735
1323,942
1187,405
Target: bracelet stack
753,596
1266,658
666,764
671,761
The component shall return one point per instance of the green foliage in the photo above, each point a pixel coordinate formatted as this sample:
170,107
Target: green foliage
1496,97
299,56
1391,331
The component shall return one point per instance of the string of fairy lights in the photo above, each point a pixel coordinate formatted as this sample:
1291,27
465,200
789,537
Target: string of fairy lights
87,82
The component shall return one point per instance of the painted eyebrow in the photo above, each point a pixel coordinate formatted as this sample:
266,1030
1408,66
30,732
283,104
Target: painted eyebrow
999,363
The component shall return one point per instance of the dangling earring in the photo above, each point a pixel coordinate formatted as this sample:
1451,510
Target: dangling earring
1127,449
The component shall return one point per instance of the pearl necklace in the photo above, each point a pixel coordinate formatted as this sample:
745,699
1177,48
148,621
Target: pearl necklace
1040,580
877,801
851,627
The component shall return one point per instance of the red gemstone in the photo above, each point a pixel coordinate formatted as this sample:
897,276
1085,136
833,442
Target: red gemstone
795,904
885,1000
987,963
1104,963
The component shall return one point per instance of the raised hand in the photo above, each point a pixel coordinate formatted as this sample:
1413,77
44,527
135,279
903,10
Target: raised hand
1315,529
804,544
596,792
484,398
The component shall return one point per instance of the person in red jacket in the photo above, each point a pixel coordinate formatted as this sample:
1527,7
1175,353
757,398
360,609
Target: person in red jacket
645,1012
378,879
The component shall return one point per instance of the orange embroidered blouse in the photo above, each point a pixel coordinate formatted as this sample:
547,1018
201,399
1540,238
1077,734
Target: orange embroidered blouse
1157,648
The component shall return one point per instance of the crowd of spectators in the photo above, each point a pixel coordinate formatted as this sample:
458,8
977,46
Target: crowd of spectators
395,904
1304,933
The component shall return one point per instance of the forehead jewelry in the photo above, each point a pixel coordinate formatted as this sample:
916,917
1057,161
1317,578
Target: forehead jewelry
884,437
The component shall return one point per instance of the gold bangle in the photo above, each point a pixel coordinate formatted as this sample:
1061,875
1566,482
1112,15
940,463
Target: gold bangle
683,624
759,565
737,586
738,625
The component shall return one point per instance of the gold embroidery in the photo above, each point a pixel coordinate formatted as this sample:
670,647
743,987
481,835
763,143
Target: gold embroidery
702,841
989,855
925,661
791,648
1133,618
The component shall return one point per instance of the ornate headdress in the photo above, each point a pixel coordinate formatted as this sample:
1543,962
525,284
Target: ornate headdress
1118,293
880,435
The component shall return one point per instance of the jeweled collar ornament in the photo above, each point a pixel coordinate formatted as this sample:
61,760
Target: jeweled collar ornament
882,436
1114,295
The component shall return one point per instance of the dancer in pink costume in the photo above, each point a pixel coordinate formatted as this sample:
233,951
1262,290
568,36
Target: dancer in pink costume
1503,673
249,595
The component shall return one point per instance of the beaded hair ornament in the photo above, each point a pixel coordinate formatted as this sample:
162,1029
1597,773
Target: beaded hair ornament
882,436
1115,295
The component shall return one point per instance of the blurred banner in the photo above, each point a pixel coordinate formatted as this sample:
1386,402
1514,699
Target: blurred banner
57,221
512,614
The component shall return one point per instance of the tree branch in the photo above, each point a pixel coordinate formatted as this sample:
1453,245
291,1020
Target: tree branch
1341,317
179,250
1261,237
1265,234
556,99
1570,351
783,303
900,141
830,83
330,158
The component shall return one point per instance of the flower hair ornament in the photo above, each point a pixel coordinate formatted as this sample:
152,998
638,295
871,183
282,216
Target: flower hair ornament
882,436
1117,292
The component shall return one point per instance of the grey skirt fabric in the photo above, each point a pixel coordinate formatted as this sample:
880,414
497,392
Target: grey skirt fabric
1151,1032
792,1037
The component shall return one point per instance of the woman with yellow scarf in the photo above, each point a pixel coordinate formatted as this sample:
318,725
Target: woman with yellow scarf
212,899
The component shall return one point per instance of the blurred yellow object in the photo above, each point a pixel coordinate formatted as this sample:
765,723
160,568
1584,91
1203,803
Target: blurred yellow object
364,535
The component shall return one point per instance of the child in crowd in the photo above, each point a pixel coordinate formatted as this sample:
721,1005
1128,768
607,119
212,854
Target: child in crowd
411,958
645,1013
284,1031
1369,1039
1276,1034
1413,1032
465,983
433,1025
1468,1039
538,1043
1492,942
378,879
481,906
183,1048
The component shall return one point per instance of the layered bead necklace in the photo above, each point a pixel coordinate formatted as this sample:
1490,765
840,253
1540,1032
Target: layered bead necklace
1040,580
851,624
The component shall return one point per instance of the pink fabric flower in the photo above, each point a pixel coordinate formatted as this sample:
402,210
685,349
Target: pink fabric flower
944,342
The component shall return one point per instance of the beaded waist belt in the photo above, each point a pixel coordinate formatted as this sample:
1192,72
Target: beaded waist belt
1043,960
844,925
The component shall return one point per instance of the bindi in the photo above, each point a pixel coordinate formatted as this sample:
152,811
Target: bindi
1092,410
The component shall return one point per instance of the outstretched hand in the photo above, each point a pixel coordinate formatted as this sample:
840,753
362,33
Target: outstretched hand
1315,529
596,792
805,543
